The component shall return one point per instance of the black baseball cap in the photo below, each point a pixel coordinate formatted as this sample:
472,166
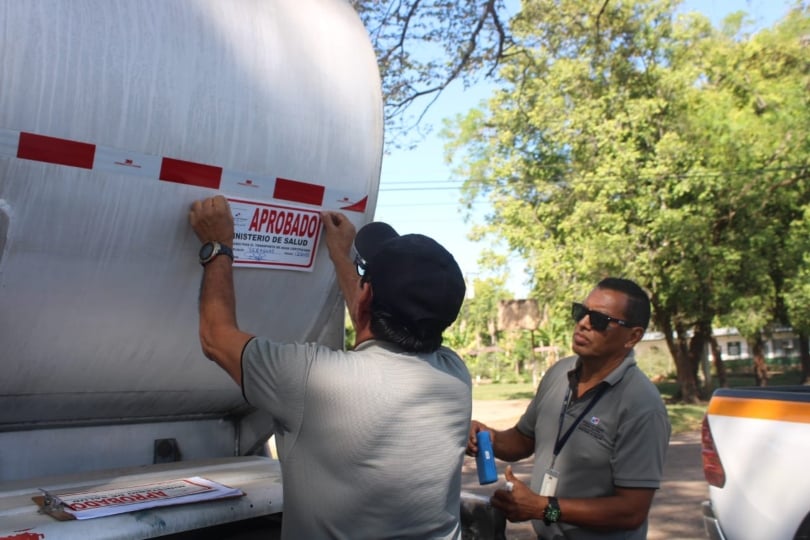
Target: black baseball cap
412,276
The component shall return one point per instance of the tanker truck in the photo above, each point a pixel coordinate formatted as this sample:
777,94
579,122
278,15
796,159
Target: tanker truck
115,115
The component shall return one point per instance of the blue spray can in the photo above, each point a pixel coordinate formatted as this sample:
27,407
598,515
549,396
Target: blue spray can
485,460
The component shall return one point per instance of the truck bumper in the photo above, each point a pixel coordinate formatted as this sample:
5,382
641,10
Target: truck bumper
713,529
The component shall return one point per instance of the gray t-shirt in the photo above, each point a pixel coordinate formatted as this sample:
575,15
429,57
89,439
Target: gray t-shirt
371,441
621,441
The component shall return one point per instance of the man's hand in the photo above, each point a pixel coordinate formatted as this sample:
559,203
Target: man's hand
212,220
472,440
519,504
340,235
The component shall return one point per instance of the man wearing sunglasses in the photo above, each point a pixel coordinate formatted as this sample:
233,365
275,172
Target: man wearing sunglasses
371,440
597,427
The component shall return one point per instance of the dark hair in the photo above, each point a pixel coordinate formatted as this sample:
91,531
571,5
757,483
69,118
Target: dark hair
421,337
638,303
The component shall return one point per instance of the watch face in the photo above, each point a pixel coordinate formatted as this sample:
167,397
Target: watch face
206,251
552,513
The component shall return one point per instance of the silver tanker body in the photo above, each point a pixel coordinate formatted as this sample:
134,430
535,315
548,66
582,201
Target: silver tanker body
114,116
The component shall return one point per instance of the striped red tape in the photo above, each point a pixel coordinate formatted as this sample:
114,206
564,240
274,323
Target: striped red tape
59,151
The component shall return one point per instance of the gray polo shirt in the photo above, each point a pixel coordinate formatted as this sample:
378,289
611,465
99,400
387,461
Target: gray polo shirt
621,441
371,441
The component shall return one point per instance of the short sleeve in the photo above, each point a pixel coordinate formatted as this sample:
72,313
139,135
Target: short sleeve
274,378
527,422
641,448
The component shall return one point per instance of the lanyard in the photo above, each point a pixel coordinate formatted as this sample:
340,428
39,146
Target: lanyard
559,443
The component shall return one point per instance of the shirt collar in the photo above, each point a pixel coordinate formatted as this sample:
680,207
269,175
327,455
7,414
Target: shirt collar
369,343
613,377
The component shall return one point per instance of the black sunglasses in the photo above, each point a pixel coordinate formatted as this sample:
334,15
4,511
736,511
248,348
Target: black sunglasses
599,321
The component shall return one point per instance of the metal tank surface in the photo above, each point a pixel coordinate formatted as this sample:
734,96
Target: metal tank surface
115,115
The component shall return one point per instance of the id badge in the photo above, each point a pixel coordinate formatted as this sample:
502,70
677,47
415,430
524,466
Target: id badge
549,486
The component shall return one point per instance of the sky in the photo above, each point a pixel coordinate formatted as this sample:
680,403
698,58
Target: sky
419,194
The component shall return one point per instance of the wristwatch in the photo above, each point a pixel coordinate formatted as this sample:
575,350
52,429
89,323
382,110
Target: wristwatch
552,513
210,250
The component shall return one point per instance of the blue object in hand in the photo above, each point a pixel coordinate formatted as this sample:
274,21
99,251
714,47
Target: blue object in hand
485,460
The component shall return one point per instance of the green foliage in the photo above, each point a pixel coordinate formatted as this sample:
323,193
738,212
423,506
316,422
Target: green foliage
475,330
797,286
349,332
655,362
682,417
501,392
623,140
685,417
632,142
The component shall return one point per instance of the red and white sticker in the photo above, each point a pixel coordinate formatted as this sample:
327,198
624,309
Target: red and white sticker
274,236
70,153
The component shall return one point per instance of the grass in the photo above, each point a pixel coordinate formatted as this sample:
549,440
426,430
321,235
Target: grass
683,417
503,391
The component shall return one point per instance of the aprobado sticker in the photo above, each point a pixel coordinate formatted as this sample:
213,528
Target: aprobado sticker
273,236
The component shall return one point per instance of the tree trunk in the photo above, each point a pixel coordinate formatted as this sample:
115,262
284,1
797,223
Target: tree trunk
804,357
493,340
760,367
534,359
678,349
697,347
687,377
719,367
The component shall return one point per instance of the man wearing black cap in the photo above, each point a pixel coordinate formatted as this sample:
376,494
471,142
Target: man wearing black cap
416,287
371,440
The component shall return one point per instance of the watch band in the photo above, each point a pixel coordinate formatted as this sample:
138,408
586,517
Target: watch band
210,250
552,513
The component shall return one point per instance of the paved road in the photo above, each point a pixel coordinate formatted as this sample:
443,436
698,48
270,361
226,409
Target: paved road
675,513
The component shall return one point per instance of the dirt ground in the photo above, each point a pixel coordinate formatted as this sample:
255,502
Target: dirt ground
675,514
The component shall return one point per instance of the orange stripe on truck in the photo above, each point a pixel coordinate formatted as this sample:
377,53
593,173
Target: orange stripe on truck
764,409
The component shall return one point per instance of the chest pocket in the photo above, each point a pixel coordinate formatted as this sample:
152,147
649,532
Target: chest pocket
596,434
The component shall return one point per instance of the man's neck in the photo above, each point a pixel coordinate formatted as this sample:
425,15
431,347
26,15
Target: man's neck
594,370
363,335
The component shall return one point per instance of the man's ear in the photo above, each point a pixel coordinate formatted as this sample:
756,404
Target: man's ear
635,336
365,296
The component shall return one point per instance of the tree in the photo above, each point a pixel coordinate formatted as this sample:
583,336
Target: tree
424,45
475,334
797,287
629,142
767,95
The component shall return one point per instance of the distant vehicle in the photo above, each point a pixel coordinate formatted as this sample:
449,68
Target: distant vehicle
756,459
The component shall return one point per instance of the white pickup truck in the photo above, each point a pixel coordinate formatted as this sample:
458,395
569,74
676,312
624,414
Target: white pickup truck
756,459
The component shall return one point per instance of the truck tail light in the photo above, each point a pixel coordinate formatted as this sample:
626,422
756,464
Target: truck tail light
712,466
